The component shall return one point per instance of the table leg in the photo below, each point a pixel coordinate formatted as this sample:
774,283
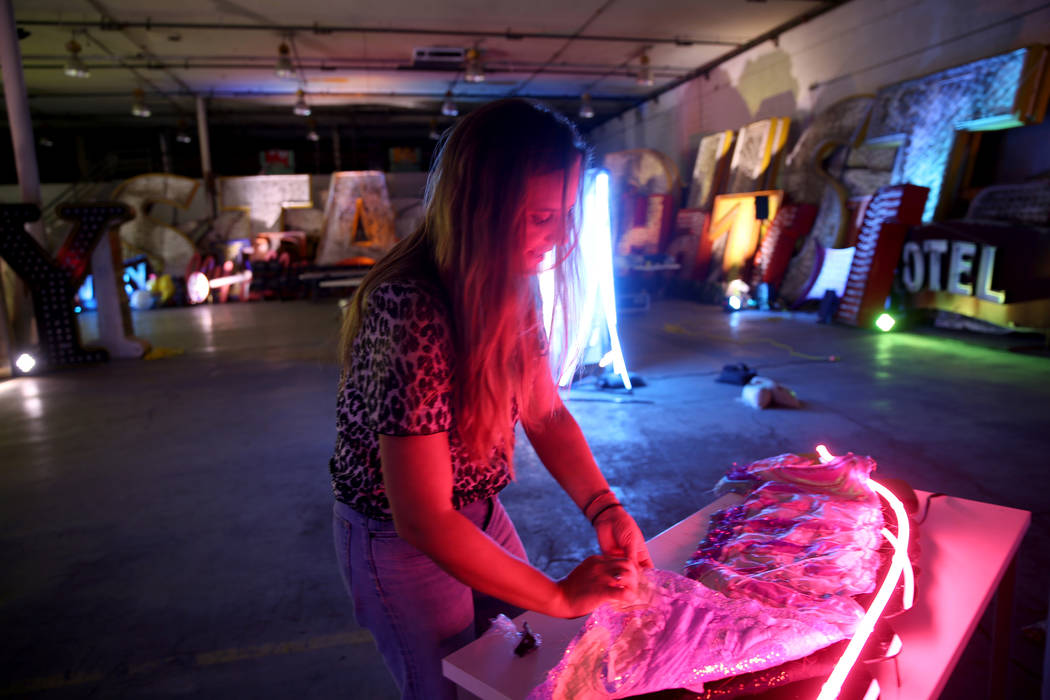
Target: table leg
1004,603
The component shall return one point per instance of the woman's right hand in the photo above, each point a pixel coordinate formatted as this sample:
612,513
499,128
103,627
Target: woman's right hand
596,580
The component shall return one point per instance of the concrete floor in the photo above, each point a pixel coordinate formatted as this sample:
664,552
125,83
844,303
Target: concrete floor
165,525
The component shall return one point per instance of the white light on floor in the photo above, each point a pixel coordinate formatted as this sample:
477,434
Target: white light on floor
735,303
884,322
25,363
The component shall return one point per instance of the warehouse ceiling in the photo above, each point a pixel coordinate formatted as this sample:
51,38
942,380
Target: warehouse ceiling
388,64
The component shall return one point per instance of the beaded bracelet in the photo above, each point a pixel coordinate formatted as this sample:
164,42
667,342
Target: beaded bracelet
602,510
594,500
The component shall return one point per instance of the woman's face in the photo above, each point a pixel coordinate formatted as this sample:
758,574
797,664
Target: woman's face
548,200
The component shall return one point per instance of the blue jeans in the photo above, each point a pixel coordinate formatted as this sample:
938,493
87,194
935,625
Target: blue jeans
417,613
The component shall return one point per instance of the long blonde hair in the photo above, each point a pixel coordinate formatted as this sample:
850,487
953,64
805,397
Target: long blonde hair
471,244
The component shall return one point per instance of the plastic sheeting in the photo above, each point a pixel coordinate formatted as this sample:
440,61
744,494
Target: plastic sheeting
680,634
775,581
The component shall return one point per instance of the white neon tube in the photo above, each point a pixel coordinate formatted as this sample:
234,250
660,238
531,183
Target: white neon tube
245,276
604,269
825,454
597,288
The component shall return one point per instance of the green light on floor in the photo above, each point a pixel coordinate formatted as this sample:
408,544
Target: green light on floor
884,322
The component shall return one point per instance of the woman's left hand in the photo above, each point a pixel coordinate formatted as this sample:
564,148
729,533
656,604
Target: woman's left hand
619,536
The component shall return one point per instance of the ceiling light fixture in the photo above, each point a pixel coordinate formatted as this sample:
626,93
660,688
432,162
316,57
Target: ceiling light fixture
475,73
301,108
284,67
139,108
181,135
435,135
312,134
586,108
645,71
448,107
75,67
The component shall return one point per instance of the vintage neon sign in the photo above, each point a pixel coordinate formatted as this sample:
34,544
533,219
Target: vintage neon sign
923,266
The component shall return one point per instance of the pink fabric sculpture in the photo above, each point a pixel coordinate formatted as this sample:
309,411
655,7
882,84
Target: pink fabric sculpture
806,530
772,582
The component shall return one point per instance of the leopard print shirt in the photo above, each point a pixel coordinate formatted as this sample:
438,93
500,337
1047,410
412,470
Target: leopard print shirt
400,383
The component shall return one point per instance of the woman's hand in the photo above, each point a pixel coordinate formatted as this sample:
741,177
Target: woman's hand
596,580
619,536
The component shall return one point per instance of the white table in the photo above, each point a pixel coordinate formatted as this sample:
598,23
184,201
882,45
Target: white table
968,550
486,669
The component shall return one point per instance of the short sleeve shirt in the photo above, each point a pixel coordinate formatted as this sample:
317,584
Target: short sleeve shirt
399,382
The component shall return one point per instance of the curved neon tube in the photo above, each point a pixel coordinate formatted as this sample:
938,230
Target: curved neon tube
900,566
908,599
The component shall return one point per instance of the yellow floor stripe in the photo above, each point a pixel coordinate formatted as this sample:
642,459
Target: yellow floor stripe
201,659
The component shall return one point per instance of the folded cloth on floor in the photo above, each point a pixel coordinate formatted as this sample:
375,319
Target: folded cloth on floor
680,634
760,392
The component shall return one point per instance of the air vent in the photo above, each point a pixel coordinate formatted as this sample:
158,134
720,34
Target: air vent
438,57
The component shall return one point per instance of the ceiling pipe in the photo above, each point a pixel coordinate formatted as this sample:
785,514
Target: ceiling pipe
620,69
594,15
108,18
125,65
237,94
113,25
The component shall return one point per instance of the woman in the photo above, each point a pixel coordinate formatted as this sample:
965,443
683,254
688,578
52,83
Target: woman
443,353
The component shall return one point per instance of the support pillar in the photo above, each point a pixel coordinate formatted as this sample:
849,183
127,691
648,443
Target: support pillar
17,312
337,149
18,115
205,144
165,155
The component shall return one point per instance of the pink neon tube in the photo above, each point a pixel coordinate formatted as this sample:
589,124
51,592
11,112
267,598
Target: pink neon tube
899,566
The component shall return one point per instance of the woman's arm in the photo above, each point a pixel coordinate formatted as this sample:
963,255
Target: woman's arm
562,448
564,451
417,473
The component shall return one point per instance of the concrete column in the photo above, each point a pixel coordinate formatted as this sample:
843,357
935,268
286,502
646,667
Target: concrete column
165,156
337,149
18,115
205,143
83,164
20,320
